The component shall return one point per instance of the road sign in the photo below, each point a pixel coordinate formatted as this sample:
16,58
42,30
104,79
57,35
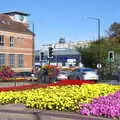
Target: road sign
99,66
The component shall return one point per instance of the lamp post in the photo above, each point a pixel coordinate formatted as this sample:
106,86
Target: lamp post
33,57
32,28
98,27
98,22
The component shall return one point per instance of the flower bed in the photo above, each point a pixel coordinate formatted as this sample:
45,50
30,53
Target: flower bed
72,82
67,95
64,98
33,86
107,106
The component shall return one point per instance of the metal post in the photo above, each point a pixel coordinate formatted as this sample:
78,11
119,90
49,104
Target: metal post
98,28
33,44
41,63
99,45
49,60
56,60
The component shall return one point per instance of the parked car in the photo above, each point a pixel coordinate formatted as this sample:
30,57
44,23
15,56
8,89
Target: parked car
84,74
63,75
25,76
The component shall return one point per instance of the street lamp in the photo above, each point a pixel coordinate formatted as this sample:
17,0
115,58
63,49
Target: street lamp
33,34
98,27
98,22
32,28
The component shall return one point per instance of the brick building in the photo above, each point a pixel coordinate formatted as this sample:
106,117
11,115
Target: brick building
16,41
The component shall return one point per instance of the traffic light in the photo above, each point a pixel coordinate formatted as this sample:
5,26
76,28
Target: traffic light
50,52
111,56
42,55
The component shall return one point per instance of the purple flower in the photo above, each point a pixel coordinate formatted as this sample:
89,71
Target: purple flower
108,106
85,111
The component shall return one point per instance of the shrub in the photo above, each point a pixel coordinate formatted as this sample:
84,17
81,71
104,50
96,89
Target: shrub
6,72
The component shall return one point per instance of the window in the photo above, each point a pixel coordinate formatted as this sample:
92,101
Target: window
20,60
21,17
11,41
1,40
12,60
2,59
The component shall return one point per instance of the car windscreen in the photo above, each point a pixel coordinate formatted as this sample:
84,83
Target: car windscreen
23,74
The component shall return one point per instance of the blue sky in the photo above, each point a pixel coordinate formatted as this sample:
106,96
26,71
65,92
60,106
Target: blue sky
66,18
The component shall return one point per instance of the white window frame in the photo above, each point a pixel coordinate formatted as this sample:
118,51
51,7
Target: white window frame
20,60
2,42
12,60
12,41
2,59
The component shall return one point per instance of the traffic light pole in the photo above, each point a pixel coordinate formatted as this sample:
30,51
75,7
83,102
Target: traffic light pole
110,68
49,61
41,63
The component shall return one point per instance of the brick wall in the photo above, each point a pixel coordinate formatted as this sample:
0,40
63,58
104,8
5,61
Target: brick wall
23,44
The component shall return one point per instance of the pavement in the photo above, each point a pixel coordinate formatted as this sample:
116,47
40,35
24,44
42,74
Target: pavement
20,112
7,84
15,112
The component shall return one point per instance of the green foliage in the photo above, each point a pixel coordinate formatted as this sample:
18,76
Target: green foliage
90,55
97,52
114,29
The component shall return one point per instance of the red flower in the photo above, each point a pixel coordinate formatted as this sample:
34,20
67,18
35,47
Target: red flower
33,86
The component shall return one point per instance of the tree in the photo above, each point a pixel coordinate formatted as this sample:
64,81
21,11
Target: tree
114,32
89,55
97,52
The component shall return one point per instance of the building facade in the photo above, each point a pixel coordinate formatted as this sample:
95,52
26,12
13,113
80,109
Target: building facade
16,41
64,54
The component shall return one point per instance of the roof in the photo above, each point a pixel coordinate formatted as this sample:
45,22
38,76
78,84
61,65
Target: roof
7,24
60,52
17,12
66,52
